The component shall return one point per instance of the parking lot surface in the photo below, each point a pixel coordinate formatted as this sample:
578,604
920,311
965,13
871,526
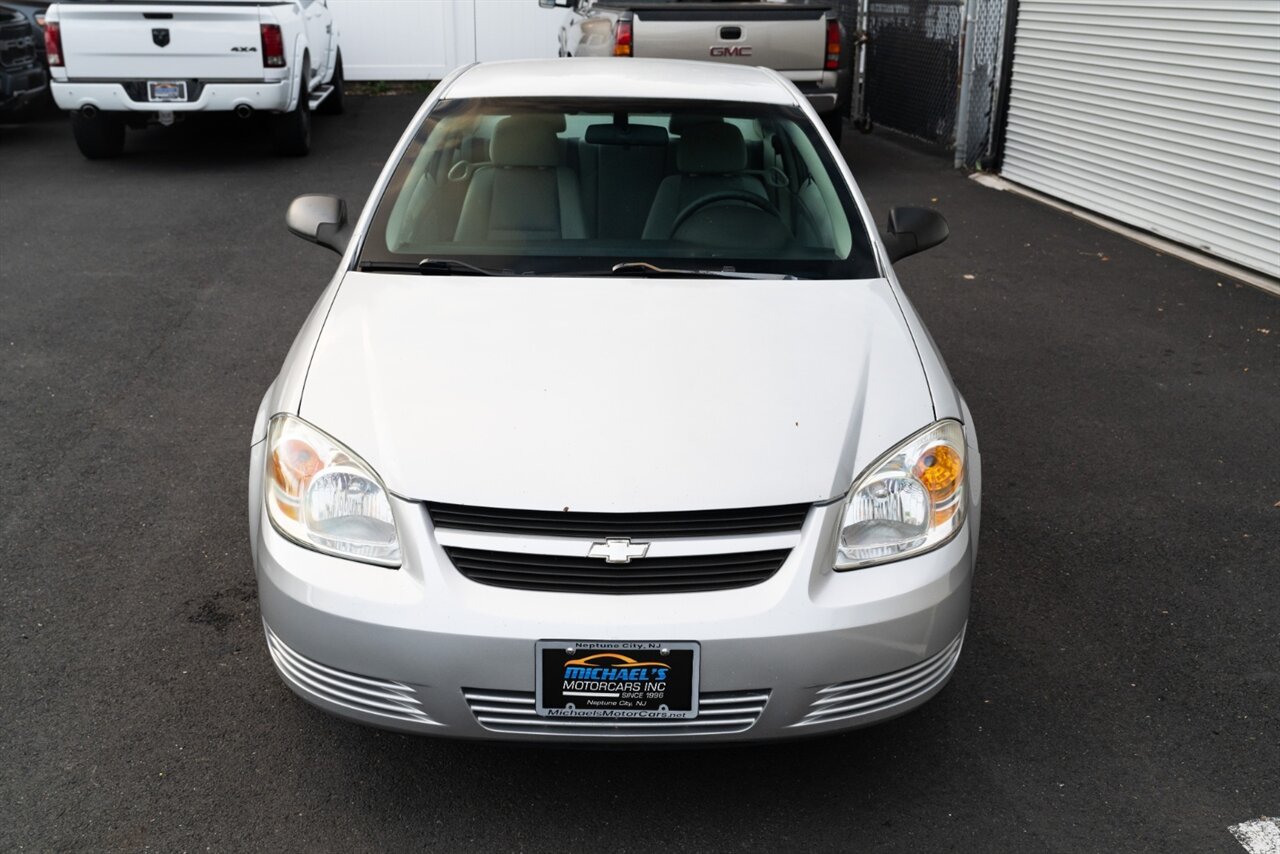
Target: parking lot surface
1120,686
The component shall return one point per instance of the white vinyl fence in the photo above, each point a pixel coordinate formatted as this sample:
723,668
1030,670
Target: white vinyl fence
426,39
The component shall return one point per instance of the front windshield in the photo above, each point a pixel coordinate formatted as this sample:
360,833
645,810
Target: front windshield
542,186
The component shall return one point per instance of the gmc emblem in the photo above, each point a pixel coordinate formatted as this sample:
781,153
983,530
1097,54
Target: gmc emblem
731,50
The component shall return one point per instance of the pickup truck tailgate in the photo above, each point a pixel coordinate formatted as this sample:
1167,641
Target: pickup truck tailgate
787,39
115,41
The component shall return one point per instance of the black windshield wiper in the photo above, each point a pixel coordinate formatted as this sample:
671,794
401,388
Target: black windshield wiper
645,269
433,267
437,266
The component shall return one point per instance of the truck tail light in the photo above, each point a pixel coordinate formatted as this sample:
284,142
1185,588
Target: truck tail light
622,44
833,46
272,46
53,43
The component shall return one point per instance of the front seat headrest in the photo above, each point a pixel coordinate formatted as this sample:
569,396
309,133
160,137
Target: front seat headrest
713,148
525,141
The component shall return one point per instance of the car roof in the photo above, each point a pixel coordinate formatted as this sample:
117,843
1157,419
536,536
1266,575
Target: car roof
607,77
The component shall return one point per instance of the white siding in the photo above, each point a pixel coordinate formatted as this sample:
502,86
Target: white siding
1163,114
426,39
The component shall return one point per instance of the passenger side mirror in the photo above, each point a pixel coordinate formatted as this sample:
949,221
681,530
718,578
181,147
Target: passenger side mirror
320,219
913,230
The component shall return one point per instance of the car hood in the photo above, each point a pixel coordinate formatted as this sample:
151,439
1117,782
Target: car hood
615,395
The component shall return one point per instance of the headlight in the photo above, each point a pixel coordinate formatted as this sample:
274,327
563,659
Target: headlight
321,495
910,501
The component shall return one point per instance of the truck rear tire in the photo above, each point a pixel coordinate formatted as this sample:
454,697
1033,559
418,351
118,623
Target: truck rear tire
834,123
98,136
333,105
291,133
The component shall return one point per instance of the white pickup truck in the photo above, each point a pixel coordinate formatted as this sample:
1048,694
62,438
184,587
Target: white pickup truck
127,63
800,39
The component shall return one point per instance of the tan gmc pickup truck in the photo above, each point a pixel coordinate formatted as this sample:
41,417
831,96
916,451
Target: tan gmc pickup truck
799,39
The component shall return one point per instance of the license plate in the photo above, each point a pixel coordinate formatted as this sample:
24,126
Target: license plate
167,90
649,680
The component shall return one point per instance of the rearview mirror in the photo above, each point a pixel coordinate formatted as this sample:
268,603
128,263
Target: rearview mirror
913,230
320,219
551,4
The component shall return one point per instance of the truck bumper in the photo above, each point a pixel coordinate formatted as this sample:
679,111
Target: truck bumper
822,88
204,96
823,102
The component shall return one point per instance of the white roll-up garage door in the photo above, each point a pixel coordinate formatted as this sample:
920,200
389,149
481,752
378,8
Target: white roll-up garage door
1162,114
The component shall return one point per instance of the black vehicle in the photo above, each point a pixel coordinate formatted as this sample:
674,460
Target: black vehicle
23,77
34,10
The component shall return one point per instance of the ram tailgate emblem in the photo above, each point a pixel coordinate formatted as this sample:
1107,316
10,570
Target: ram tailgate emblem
160,37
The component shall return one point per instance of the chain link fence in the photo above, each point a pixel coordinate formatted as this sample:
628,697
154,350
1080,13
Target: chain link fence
913,66
932,68
980,88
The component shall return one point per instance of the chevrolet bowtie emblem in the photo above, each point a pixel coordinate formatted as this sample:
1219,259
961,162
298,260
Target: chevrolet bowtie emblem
618,551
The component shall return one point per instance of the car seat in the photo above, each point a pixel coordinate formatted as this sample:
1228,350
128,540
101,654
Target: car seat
523,193
711,157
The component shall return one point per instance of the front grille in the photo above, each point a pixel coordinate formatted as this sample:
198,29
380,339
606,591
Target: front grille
721,713
861,697
17,47
368,695
551,523
556,573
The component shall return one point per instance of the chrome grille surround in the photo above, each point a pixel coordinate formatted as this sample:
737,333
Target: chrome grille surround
721,713
877,694
367,695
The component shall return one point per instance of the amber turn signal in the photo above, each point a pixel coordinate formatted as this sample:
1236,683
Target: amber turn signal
939,469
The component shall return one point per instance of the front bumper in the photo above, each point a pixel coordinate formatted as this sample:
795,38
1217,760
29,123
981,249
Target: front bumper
212,96
18,88
424,649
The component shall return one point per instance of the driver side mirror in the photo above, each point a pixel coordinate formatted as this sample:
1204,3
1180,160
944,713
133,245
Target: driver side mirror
913,230
320,219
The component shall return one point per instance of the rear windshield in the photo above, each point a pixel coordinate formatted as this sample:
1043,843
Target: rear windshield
555,186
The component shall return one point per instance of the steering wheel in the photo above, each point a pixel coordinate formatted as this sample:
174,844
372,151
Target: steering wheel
725,196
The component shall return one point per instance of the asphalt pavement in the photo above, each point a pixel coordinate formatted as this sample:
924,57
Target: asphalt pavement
1120,685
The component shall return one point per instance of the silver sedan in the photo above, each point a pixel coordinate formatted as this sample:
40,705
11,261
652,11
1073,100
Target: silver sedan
614,423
